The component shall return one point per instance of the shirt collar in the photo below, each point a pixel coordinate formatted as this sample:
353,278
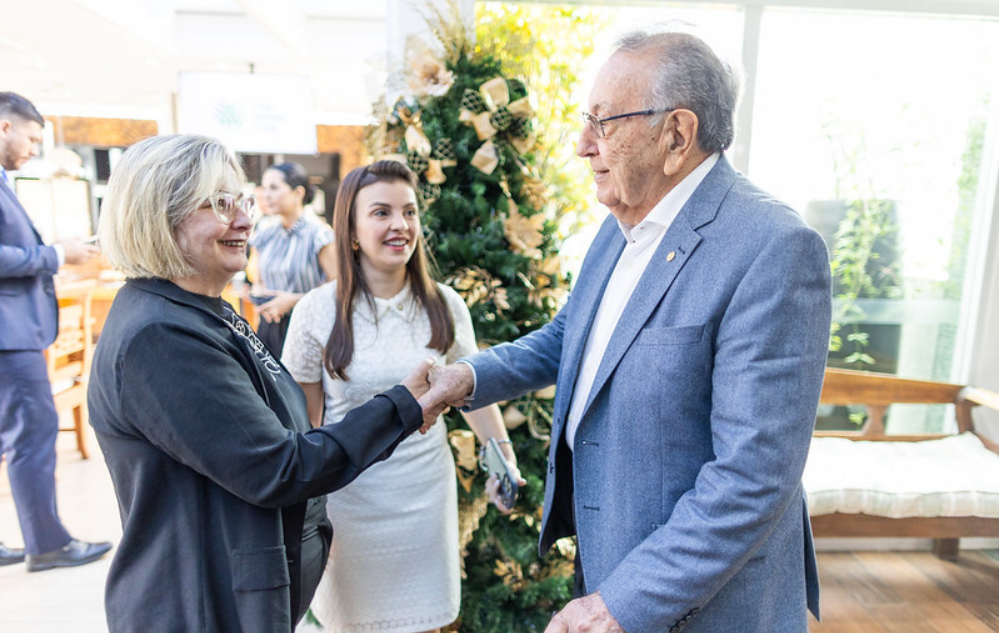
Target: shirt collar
666,210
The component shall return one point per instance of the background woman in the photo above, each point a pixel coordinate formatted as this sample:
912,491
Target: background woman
292,252
205,435
394,567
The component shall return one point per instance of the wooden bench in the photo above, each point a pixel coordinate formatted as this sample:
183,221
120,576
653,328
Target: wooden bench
845,462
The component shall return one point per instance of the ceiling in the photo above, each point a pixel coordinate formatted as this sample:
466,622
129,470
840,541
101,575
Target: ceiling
121,58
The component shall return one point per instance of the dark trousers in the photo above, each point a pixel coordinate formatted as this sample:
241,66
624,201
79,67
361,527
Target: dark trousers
315,552
29,425
578,582
273,334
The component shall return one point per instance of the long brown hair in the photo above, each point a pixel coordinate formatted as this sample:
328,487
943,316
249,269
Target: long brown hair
351,283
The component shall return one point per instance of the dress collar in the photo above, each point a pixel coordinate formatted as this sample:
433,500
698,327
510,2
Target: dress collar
297,227
403,303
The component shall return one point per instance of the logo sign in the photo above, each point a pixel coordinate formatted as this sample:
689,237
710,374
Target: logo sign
251,113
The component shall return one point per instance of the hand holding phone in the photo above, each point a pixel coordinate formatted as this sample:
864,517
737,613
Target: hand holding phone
509,480
259,300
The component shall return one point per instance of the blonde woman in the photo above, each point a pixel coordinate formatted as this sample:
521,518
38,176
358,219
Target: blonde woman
218,475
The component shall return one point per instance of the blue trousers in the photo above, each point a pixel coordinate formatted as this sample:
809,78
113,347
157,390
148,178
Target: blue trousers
29,425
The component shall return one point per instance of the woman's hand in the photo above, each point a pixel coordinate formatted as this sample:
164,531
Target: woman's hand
492,491
417,381
492,484
279,306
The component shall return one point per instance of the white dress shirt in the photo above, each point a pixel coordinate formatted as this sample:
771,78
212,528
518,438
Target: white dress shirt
642,242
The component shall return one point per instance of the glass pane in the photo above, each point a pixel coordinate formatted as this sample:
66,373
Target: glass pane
872,125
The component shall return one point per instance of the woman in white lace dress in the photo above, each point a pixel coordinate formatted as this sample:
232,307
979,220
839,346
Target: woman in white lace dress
394,565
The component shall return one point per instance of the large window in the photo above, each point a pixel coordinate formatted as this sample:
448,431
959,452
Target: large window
873,127
877,126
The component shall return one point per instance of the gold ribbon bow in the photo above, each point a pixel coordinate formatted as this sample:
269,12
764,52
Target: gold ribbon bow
465,457
486,158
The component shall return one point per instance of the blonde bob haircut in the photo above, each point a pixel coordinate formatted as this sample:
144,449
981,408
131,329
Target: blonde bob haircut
156,185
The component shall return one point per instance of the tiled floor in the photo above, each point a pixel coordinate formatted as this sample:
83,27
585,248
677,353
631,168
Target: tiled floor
62,600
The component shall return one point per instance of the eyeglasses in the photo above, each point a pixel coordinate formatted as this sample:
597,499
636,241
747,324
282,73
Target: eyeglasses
598,124
226,206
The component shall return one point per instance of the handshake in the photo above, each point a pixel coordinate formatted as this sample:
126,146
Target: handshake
439,388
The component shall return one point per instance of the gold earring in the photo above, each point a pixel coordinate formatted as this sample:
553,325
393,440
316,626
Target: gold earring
354,244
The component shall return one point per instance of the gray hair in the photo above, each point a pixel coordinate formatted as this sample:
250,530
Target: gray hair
693,77
158,183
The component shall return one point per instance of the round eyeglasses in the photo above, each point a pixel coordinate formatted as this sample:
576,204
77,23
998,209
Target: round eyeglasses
226,206
598,124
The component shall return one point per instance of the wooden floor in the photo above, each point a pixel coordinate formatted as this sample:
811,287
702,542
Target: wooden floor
915,592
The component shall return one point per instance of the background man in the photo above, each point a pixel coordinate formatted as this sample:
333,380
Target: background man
689,361
29,317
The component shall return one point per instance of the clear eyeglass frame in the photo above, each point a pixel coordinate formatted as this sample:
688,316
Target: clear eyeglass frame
226,206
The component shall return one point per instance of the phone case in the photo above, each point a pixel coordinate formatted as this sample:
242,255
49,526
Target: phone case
496,463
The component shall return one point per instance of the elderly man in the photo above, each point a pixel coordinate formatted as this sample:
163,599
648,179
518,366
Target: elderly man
689,361
29,317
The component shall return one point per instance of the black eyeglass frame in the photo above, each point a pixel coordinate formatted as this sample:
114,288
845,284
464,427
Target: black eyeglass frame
598,124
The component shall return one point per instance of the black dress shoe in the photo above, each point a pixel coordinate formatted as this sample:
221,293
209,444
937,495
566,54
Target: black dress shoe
10,555
75,553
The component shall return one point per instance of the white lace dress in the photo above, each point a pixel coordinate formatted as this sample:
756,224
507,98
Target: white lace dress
394,565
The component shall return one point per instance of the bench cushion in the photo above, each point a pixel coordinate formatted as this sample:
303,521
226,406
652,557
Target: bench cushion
953,476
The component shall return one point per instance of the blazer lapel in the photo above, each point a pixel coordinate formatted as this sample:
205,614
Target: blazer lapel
593,276
673,253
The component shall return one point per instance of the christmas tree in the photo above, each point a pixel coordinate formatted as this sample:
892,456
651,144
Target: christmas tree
488,167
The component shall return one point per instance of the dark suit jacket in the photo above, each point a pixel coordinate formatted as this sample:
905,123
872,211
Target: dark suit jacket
212,458
28,309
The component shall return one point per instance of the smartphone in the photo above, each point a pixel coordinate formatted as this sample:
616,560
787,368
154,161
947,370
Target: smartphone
508,479
259,300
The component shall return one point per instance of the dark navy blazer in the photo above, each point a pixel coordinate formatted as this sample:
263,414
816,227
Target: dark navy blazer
29,313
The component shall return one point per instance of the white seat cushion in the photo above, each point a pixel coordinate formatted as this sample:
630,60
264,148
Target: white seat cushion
952,476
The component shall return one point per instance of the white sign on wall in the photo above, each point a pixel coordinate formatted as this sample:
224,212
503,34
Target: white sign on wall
253,113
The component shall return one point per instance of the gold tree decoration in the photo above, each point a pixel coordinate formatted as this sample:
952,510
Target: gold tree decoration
493,185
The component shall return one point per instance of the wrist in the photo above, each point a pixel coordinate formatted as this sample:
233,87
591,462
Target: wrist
505,446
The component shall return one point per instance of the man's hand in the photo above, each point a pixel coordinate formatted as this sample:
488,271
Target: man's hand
452,384
588,614
417,382
448,387
76,252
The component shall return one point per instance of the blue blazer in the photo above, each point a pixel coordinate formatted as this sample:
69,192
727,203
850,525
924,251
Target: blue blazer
684,485
29,311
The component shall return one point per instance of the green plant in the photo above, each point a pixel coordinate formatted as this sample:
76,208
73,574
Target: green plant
864,266
864,260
